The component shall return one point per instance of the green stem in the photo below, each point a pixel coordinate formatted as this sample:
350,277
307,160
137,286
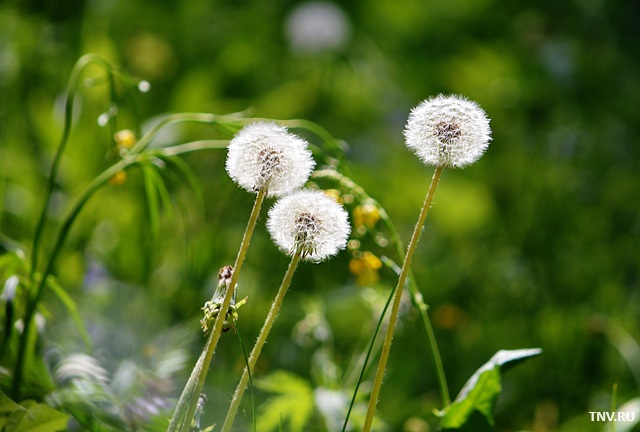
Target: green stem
196,380
366,362
246,362
262,338
437,360
386,347
145,140
34,300
194,146
416,297
98,182
53,173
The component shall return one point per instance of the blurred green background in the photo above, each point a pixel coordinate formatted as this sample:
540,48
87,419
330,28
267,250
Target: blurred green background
536,245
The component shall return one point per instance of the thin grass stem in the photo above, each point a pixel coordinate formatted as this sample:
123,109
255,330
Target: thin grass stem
366,361
196,380
63,231
246,363
417,299
393,318
72,88
262,338
34,300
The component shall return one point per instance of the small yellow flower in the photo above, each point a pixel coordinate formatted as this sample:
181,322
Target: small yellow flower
118,178
334,193
365,267
366,215
125,139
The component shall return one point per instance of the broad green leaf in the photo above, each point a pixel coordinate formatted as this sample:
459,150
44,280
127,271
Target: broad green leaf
30,416
473,408
7,405
39,417
294,402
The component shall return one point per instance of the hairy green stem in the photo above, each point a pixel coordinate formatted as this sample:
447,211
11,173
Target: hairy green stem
195,383
393,318
262,338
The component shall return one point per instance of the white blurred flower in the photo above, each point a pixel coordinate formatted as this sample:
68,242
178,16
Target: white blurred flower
448,131
317,26
310,222
265,155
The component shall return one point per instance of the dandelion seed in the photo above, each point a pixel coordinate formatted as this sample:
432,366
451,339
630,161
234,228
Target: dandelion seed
265,156
311,223
448,131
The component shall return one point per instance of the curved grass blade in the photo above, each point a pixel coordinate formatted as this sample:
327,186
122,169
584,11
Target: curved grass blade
152,198
71,307
246,363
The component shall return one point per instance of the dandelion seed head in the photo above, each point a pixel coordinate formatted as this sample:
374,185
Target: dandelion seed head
265,156
448,131
310,222
225,274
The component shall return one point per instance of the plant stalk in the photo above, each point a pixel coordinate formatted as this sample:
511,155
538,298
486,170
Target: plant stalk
262,338
393,318
53,172
195,384
42,282
416,297
86,194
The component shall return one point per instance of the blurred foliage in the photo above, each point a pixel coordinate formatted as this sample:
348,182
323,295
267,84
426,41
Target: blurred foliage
534,246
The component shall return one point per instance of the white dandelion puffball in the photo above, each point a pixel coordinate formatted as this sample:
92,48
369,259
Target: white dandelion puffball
310,222
265,156
448,131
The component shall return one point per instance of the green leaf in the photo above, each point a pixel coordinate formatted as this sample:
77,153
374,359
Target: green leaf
30,416
40,418
7,405
294,402
473,408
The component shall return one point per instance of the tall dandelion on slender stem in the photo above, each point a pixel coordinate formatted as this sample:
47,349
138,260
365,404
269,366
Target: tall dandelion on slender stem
265,159
446,132
308,226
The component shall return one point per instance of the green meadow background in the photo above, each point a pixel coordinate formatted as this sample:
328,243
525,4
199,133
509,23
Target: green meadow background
536,245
